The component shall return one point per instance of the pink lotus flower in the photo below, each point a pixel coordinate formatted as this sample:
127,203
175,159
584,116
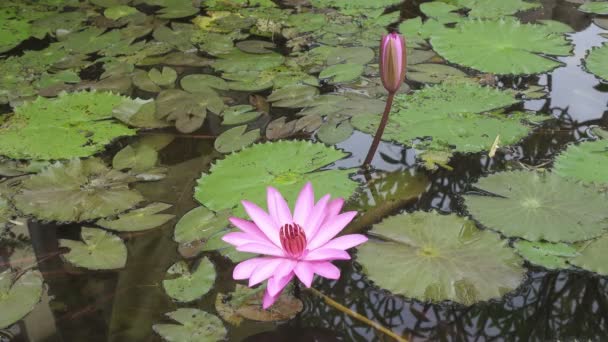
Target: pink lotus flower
301,245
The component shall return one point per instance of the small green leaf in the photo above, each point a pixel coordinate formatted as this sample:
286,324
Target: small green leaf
18,296
185,286
294,96
164,78
433,73
333,132
595,7
199,83
235,139
546,254
342,73
99,250
139,219
593,256
117,12
239,114
137,159
200,224
194,325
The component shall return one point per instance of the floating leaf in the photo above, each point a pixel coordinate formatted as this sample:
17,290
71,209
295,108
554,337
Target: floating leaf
333,131
439,257
235,139
293,164
185,286
546,254
12,31
255,46
495,8
433,73
136,220
295,96
200,224
164,78
246,303
442,12
100,250
538,207
142,80
194,325
354,6
280,128
593,256
587,162
187,110
200,83
175,9
356,55
342,73
596,62
87,189
595,7
18,296
447,113
501,47
236,61
72,125
117,12
138,113
138,159
236,115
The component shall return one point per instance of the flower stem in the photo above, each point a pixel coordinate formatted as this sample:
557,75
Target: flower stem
357,316
380,131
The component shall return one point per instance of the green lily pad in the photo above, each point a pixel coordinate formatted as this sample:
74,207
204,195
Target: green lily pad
12,31
87,189
165,78
441,11
72,125
280,128
18,296
198,82
175,9
548,255
595,7
334,131
587,162
294,163
239,114
185,286
355,55
342,73
354,6
236,61
200,224
433,73
597,62
99,250
179,35
235,139
537,206
439,257
294,96
496,8
117,12
256,46
137,159
448,113
593,256
137,220
194,325
502,47
142,80
138,113
187,110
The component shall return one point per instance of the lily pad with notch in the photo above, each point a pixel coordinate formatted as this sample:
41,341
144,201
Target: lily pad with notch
186,285
193,325
99,250
235,139
19,294
137,220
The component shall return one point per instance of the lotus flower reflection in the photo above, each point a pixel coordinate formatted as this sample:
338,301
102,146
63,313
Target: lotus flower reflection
301,245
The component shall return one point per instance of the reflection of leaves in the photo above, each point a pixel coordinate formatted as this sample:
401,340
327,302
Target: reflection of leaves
185,286
194,325
538,206
246,303
100,250
18,296
87,189
136,220
439,257
293,164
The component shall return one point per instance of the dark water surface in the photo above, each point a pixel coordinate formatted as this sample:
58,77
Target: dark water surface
548,306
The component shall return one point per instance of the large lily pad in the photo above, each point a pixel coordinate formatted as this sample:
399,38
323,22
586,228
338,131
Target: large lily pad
293,164
184,285
595,7
597,62
136,220
448,114
18,296
87,189
593,256
439,257
587,162
502,46
99,250
194,325
495,8
538,206
72,125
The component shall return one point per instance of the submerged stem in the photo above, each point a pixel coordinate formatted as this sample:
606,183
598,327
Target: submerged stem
380,131
357,316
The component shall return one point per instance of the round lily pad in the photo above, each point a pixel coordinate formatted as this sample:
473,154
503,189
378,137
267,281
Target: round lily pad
136,220
235,139
503,46
293,163
100,250
18,296
72,125
138,158
539,206
595,7
239,114
184,285
165,77
597,62
194,325
256,46
587,162
200,223
294,96
593,256
433,73
87,188
342,73
193,83
435,257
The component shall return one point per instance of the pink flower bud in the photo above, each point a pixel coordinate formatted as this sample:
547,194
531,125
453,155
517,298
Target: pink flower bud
392,61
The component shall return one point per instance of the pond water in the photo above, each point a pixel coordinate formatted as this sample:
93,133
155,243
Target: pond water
123,304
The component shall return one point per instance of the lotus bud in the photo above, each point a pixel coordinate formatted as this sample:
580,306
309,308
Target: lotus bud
392,61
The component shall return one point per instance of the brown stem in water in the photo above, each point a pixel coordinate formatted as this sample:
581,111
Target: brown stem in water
356,316
380,131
